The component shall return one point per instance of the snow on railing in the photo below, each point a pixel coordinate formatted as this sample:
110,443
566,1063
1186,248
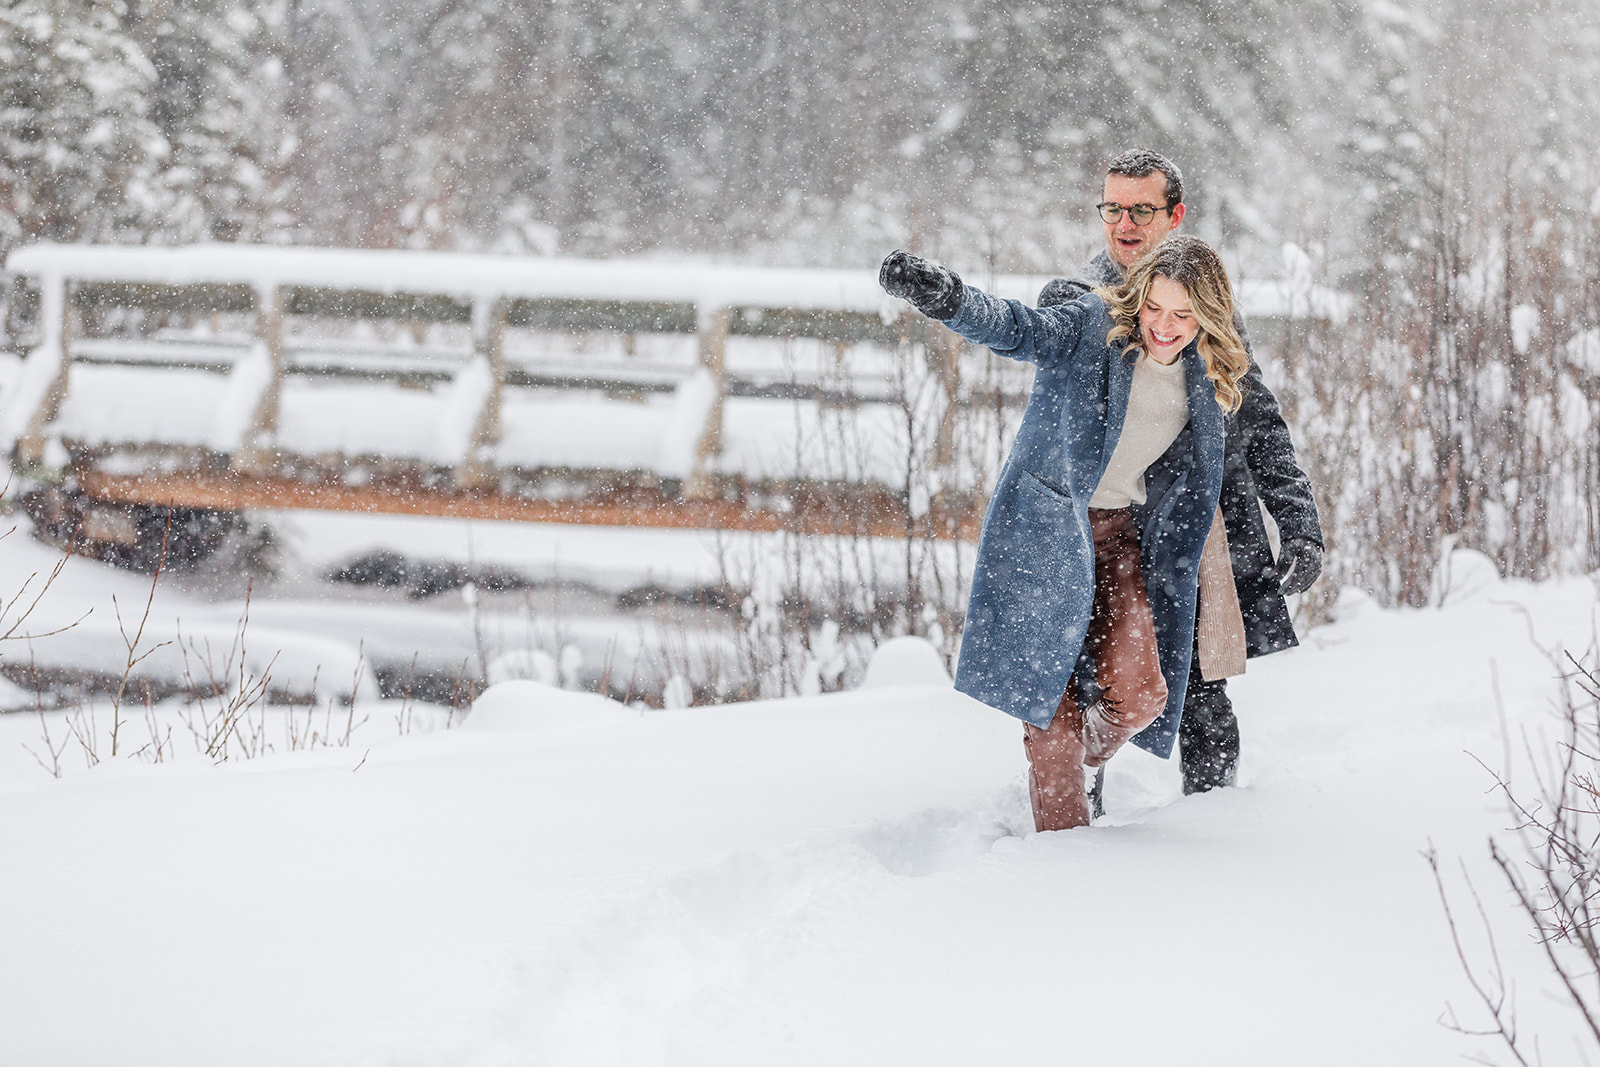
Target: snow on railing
469,278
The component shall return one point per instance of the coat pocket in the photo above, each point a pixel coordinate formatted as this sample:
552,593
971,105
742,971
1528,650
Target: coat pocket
1045,486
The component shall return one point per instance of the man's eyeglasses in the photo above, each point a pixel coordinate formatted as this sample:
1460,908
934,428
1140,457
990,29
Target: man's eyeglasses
1142,213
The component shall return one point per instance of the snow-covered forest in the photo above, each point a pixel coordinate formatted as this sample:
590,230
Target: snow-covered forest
809,134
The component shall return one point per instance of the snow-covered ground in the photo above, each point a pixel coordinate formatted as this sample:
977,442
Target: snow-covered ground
838,879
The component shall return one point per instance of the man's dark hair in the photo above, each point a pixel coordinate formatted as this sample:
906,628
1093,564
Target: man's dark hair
1141,163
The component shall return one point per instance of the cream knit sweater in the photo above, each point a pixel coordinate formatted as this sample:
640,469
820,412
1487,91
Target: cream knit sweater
1158,408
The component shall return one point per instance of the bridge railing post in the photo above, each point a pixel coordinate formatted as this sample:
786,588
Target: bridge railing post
488,354
44,381
259,442
944,354
713,324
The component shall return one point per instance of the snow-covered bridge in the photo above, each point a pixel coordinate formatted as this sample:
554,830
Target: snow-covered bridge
228,377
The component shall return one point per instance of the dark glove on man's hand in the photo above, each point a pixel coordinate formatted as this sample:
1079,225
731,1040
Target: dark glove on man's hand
1299,563
933,290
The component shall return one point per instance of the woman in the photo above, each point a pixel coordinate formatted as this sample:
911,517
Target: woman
1093,537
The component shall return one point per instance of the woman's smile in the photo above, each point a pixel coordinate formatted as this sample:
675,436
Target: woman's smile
1167,322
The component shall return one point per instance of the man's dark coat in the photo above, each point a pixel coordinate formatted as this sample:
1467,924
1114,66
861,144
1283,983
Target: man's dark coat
1258,467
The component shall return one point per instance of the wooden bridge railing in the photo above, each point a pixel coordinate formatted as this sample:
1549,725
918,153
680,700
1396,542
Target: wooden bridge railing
78,290
488,296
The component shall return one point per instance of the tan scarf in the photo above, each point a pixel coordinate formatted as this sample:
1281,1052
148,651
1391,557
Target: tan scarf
1220,622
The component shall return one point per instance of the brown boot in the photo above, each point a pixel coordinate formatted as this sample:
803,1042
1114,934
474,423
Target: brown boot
1055,770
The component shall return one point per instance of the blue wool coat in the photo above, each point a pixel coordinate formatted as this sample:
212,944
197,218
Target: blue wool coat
1033,584
1259,469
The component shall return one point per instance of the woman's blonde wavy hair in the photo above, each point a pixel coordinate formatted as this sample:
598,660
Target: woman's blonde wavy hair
1193,264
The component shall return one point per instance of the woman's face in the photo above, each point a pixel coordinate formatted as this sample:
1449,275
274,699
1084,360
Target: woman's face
1166,322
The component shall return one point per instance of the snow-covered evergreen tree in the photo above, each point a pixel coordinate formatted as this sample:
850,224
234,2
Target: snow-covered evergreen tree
78,151
209,101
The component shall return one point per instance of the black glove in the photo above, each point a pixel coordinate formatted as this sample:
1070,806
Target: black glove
933,290
1299,563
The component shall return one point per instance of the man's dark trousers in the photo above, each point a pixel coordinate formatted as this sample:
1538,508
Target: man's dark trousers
1208,734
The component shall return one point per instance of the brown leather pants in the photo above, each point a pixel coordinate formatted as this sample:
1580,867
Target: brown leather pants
1122,640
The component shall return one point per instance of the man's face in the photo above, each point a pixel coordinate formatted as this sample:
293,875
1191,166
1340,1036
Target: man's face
1125,239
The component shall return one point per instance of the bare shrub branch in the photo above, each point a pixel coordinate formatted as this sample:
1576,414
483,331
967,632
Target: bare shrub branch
1553,868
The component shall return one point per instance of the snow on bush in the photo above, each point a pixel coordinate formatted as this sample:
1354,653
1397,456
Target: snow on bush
523,705
905,661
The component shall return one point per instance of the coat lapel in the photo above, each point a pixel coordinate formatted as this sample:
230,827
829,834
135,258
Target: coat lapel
1205,415
1119,387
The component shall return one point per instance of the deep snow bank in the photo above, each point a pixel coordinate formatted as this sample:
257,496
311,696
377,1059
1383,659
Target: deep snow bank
841,879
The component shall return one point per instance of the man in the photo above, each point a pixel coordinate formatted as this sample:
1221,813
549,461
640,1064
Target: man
1142,202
